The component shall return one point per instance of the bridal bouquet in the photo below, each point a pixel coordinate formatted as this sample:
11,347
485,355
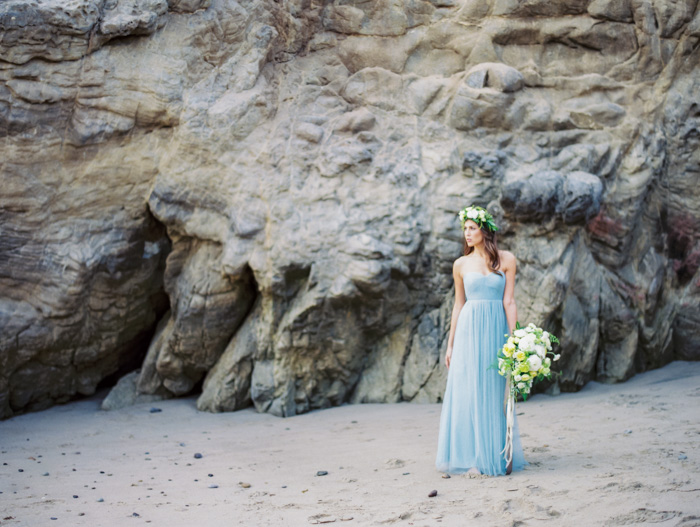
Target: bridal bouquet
527,357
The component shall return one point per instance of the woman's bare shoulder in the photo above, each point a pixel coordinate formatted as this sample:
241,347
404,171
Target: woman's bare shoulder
458,262
507,258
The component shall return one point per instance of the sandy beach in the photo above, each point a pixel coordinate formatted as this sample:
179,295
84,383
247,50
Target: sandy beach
623,454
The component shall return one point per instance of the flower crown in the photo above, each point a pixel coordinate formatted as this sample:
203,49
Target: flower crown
478,215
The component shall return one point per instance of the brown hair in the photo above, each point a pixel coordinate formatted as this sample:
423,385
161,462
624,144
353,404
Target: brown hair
491,247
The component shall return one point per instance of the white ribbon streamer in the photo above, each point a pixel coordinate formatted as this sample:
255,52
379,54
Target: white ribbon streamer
510,422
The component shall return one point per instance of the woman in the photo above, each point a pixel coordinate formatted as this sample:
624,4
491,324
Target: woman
472,423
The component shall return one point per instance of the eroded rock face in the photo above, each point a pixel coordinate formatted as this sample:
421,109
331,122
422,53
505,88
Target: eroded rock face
301,164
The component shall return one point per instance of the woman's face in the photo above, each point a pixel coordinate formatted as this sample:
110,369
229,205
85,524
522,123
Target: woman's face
473,234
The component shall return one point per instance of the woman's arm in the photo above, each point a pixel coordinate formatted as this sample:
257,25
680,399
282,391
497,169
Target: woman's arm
459,303
509,294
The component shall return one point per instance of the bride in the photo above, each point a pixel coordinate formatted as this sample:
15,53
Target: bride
472,423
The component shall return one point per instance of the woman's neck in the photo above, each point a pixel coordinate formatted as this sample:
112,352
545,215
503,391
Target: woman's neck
481,251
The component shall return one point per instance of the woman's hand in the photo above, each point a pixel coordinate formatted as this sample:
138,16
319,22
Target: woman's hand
448,357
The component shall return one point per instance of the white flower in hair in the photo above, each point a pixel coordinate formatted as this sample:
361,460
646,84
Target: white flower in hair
472,214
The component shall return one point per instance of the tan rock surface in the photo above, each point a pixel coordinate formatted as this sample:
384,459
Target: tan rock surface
305,162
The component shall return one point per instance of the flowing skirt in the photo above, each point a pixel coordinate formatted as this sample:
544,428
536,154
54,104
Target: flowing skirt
472,422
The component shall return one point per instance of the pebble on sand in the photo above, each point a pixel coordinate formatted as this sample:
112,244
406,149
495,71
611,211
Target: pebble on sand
244,485
322,473
432,493
682,457
198,456
155,410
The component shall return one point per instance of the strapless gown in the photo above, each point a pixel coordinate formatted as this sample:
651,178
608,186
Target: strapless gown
472,421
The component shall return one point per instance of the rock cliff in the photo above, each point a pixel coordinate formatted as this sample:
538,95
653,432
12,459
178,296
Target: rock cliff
258,200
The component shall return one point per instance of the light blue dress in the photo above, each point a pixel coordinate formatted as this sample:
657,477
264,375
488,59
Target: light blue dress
472,422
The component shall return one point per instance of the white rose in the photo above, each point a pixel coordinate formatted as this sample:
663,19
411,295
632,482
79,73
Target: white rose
545,336
556,357
472,214
517,378
547,361
541,351
527,343
521,385
520,333
534,362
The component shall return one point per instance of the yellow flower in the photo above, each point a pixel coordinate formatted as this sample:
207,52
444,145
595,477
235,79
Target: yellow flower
525,377
520,355
507,352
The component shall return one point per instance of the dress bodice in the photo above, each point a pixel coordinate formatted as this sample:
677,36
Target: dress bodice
484,287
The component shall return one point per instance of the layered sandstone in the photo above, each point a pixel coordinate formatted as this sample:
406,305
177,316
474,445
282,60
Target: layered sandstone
259,200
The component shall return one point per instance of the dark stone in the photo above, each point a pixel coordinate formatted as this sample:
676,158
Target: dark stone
533,197
580,197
